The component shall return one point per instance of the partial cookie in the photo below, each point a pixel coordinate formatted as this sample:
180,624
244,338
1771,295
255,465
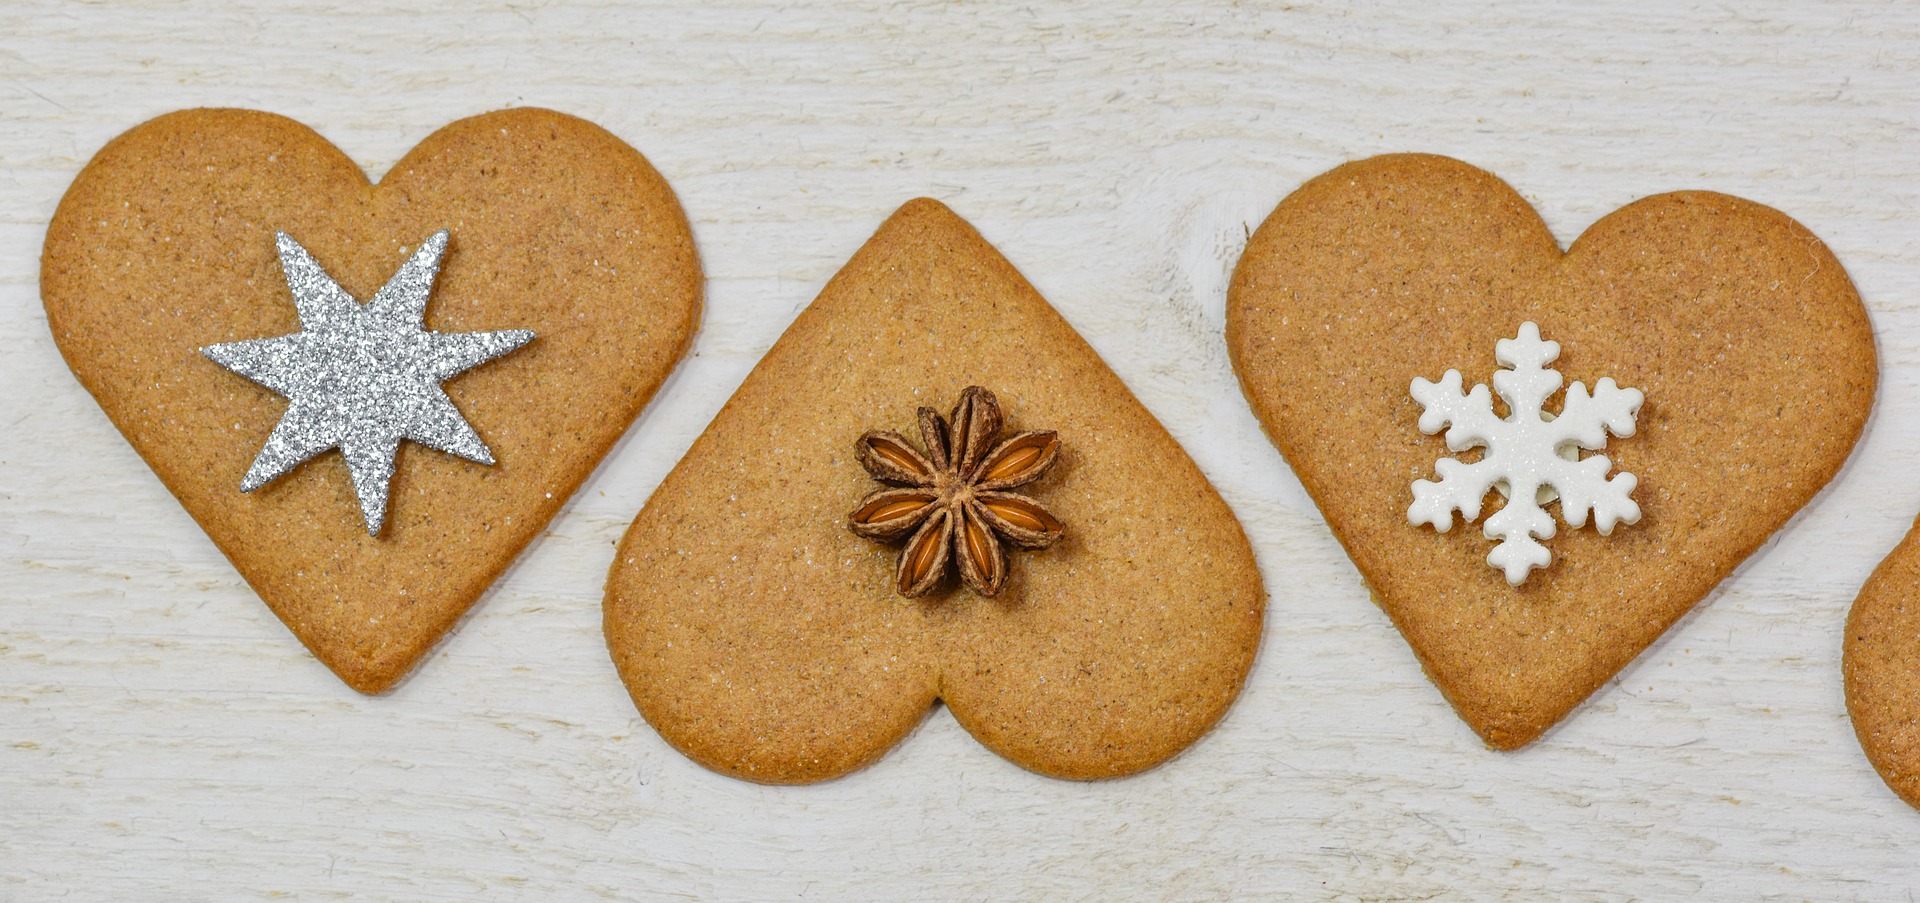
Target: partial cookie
1882,667
562,245
1753,353
767,640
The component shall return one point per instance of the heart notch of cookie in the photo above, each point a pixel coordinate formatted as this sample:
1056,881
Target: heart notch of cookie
765,638
1752,349
166,245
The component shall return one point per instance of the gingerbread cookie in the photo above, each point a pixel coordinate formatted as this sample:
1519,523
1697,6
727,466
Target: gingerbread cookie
1381,300
1882,667
1041,555
528,281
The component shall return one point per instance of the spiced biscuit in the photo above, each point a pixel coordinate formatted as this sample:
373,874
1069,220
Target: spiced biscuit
1881,663
165,244
766,640
1735,321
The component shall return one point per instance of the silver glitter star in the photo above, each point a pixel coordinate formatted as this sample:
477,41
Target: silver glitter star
362,377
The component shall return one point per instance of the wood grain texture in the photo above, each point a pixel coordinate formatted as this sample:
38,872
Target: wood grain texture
162,736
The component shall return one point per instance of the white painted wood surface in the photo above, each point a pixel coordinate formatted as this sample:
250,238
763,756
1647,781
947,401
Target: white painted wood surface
163,737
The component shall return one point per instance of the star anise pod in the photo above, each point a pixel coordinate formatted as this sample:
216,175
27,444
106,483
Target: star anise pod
955,501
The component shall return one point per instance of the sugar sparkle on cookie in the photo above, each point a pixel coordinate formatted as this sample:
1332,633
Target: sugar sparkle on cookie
362,377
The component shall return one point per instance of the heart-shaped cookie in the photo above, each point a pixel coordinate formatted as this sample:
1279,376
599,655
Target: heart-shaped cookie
766,639
166,245
1882,668
1753,350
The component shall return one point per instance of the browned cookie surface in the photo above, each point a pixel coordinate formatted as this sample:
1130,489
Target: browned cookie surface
1752,348
165,244
765,639
1882,667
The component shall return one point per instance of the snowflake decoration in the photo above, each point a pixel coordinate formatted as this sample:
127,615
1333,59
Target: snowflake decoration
1532,456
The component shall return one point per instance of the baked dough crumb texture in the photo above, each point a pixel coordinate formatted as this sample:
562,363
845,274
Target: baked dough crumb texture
764,639
1754,352
165,245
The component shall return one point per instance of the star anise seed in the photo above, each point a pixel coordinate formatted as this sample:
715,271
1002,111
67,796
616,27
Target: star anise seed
954,498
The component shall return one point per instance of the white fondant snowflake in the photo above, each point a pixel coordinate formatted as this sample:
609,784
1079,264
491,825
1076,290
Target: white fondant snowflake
1531,455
